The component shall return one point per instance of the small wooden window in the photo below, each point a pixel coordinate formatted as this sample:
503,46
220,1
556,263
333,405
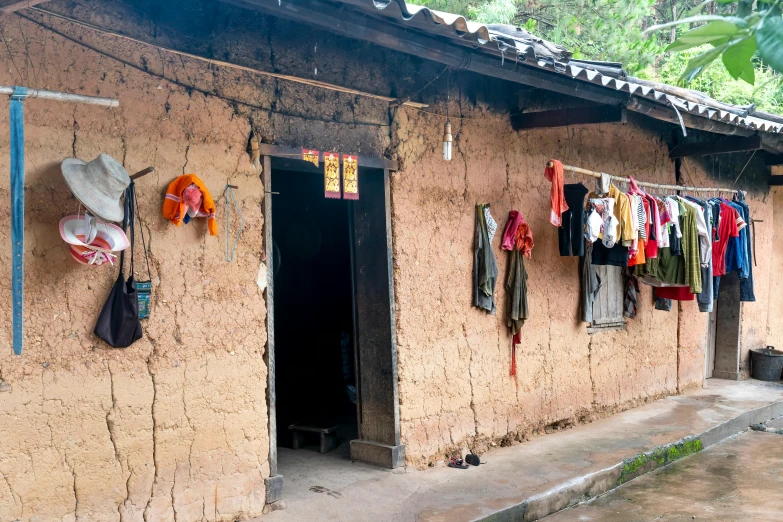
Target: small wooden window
608,304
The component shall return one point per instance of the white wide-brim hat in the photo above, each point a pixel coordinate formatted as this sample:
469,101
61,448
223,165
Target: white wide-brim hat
99,184
73,230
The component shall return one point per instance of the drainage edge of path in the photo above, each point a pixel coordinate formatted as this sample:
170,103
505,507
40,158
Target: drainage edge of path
586,487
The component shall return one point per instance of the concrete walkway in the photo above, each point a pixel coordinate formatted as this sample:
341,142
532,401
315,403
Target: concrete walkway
738,479
330,487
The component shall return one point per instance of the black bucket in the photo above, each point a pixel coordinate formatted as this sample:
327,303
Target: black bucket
766,364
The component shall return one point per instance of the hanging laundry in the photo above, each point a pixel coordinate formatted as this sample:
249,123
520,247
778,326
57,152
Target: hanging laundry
622,211
602,184
747,293
611,226
571,232
518,240
175,205
557,200
591,283
690,250
705,298
492,225
631,294
674,293
736,251
727,228
615,256
485,268
594,223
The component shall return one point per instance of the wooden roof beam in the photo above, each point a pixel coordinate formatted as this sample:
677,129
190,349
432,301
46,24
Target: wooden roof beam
773,160
352,24
587,115
718,146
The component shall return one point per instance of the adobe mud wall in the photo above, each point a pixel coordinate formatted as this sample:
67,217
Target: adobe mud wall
175,427
455,389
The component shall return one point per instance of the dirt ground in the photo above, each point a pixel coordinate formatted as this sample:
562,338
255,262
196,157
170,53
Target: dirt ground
739,479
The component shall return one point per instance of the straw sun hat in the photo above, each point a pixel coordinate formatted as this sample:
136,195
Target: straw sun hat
98,185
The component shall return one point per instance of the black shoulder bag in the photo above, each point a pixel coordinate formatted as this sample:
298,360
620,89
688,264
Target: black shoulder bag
118,324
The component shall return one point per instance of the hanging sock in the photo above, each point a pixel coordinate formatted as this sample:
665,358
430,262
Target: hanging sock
17,213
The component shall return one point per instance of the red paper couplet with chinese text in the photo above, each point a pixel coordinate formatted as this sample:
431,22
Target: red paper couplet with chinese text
311,156
332,175
350,177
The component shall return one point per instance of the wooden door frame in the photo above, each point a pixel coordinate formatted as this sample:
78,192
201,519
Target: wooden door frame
389,456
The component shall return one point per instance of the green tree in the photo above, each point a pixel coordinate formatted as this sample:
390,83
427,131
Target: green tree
747,27
718,83
636,33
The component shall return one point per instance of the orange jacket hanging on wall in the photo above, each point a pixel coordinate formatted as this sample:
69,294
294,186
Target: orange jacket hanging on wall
174,206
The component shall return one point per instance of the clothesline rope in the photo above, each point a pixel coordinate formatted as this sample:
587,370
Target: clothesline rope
622,179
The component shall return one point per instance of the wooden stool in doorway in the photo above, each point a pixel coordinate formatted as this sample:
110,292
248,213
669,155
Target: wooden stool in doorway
328,436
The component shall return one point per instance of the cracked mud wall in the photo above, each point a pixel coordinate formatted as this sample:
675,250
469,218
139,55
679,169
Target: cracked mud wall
455,388
177,421
774,317
175,426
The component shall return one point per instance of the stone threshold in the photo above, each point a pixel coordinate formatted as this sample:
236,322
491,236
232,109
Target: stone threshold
584,488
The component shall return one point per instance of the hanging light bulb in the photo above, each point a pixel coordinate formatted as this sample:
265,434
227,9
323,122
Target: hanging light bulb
447,139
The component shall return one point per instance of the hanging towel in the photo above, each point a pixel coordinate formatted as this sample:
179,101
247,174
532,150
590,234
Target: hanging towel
485,267
557,200
510,232
174,205
17,213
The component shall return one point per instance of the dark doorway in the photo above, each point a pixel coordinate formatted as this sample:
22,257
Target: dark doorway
724,360
314,313
331,346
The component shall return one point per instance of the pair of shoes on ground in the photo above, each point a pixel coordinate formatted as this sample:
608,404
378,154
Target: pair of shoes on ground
470,458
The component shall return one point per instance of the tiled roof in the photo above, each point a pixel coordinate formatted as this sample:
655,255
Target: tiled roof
511,43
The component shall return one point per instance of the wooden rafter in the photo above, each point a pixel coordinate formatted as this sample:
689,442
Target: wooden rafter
590,114
773,160
718,146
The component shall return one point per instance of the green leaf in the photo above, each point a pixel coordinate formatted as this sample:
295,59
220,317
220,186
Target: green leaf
699,8
737,59
677,46
707,33
716,33
740,22
769,38
697,64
